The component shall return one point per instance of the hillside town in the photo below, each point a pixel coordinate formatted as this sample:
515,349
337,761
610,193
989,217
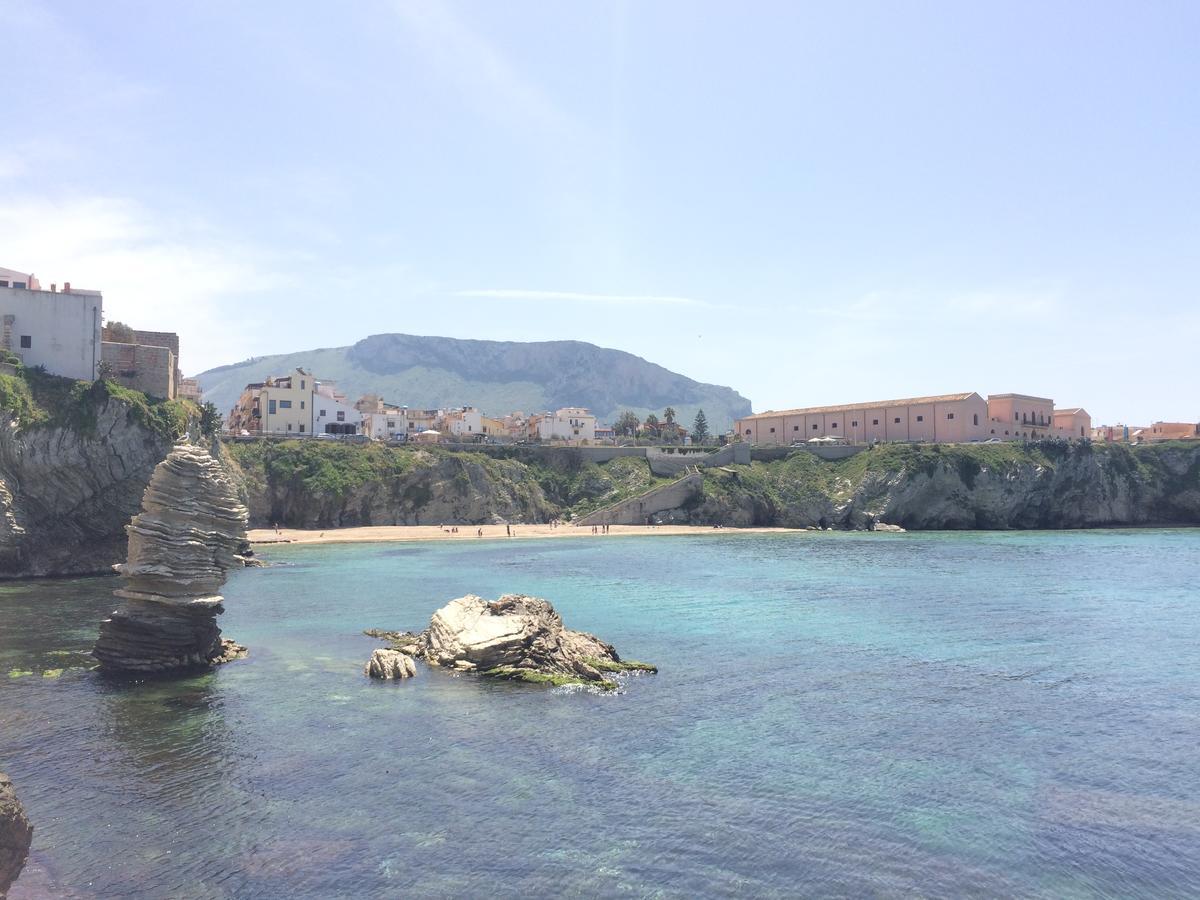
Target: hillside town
63,332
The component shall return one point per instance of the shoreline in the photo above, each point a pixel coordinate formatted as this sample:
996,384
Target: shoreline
266,537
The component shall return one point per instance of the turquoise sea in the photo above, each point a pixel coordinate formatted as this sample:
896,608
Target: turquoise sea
852,715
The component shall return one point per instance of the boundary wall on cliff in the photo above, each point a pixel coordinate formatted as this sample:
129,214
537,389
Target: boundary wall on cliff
638,510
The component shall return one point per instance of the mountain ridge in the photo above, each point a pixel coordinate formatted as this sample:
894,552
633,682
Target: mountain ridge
497,377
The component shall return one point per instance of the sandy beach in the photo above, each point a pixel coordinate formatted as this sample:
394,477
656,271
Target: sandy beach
472,533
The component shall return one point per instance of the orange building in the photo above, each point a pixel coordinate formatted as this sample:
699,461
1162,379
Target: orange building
942,419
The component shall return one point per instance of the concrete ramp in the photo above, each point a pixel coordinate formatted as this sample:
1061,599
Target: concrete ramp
638,510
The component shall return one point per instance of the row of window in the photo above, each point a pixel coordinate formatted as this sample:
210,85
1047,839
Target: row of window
15,284
854,424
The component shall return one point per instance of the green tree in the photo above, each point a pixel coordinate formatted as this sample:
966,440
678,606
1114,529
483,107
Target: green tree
210,419
669,415
700,428
650,426
627,424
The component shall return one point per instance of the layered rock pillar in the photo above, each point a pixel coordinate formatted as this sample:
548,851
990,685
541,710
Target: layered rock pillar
181,547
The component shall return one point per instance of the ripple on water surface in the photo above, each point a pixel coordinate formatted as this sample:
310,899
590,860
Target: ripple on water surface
940,714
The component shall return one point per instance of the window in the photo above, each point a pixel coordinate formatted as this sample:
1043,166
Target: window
18,284
814,428
920,418
854,424
302,404
977,421
26,341
834,427
747,431
341,416
391,422
289,426
301,426
874,421
285,404
951,416
270,407
772,431
1016,418
795,428
322,414
3,282
301,384
896,421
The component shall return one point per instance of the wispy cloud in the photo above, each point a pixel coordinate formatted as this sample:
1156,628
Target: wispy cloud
581,297
482,70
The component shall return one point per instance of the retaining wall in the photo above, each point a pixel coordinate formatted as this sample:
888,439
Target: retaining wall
638,510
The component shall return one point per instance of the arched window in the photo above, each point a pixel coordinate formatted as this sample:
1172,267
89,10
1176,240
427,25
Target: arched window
976,417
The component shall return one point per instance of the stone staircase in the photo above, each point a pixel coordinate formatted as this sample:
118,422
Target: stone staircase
638,510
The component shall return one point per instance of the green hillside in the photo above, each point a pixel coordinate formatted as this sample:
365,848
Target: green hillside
495,376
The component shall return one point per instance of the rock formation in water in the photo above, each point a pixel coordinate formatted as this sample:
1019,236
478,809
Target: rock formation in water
387,664
515,637
15,835
181,546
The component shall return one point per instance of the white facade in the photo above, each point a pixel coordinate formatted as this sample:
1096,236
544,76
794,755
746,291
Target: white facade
386,424
332,413
58,330
572,423
466,422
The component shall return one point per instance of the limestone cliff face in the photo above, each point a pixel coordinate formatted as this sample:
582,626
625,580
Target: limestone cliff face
963,488
430,489
66,494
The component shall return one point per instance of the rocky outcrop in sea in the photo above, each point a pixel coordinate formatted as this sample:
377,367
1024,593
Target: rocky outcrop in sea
516,637
16,834
181,547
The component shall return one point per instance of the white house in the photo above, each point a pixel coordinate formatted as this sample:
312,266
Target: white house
571,423
465,423
60,330
332,413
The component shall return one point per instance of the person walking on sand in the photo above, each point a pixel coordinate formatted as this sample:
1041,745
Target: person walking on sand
508,529
276,527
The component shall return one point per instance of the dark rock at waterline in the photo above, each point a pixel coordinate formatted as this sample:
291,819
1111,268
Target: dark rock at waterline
181,547
516,637
16,834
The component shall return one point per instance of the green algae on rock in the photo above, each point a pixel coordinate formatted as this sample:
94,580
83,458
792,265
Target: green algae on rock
517,638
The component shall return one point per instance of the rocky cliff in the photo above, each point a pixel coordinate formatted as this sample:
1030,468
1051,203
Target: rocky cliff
69,484
1048,485
308,485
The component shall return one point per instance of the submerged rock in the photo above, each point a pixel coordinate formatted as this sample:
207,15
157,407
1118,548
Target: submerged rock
517,637
386,664
16,834
181,547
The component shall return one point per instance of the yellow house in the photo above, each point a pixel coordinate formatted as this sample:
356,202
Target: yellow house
286,404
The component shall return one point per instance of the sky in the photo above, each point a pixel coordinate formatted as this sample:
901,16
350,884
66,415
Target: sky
810,202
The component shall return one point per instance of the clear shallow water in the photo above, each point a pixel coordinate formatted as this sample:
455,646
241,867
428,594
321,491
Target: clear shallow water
857,715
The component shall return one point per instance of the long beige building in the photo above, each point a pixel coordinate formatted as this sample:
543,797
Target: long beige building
943,419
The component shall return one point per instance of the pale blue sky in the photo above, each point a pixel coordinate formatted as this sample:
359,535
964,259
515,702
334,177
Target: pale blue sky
812,203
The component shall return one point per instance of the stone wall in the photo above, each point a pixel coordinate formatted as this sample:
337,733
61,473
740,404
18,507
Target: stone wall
639,510
149,369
